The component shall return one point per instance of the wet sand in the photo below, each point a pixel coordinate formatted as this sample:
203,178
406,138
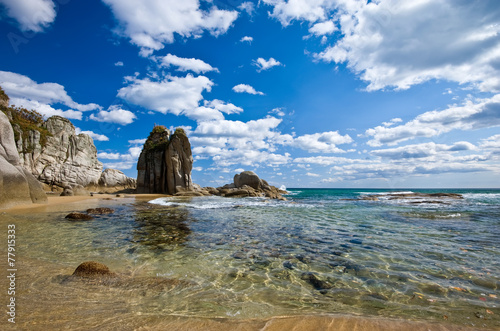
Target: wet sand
76,314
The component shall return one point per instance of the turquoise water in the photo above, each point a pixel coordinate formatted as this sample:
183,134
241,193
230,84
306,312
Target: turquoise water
319,252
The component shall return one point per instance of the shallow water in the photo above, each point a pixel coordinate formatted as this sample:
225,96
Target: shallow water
318,253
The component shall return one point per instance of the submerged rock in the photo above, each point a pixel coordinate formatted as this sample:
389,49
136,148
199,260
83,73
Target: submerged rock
92,269
317,283
100,211
79,216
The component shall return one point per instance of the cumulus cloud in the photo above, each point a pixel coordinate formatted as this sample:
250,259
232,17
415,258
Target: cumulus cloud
248,7
124,161
227,108
235,142
31,15
137,141
399,44
247,39
186,64
263,64
245,88
323,28
115,114
45,109
422,150
308,10
150,24
483,113
325,142
169,95
93,135
119,64
23,87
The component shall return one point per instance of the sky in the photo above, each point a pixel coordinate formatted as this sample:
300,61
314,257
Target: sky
306,93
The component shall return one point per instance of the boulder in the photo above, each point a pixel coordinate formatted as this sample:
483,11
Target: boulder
16,184
79,216
100,211
92,269
115,179
249,178
248,184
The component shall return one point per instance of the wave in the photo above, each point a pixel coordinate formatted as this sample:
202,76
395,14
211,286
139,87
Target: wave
215,202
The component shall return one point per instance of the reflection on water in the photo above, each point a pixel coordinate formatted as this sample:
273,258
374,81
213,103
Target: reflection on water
254,258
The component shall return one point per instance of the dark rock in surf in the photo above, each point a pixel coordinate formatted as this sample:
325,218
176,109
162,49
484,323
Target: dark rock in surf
79,217
92,269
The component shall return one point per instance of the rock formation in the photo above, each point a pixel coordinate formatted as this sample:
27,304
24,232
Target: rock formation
115,180
248,184
59,158
17,185
165,163
64,158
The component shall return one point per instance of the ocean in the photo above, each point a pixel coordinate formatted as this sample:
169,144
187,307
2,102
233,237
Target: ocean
324,251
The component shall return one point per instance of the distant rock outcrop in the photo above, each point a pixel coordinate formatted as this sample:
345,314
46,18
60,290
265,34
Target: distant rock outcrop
248,184
165,163
116,180
17,185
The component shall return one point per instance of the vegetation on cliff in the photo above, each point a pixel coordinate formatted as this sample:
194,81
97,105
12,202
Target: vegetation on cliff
158,139
24,120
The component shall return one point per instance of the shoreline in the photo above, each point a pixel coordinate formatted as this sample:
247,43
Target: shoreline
55,202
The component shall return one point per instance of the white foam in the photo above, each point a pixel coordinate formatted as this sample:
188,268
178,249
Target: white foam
215,202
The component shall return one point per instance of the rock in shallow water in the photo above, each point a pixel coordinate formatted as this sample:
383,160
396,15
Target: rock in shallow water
100,211
92,269
79,216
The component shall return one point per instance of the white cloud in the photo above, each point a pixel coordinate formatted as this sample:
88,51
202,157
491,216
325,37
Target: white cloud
169,95
245,88
398,44
310,174
308,10
152,23
45,109
204,114
227,108
325,142
115,114
119,64
263,64
278,112
137,141
119,165
422,150
247,6
326,160
93,135
32,15
108,156
22,87
246,39
235,142
483,113
323,28
186,64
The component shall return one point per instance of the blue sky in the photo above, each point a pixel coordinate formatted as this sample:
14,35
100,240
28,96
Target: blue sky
319,93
